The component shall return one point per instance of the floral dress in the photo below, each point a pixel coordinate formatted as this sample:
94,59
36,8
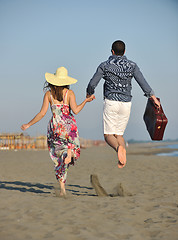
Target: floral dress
62,134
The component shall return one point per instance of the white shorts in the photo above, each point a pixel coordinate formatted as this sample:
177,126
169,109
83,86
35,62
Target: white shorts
115,116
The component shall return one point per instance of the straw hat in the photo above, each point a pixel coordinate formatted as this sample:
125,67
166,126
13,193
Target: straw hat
60,78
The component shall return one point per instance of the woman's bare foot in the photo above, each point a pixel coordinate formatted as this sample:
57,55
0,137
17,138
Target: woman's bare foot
69,156
121,153
62,193
63,190
60,189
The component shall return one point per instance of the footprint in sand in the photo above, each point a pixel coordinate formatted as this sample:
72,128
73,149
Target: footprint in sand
119,190
101,192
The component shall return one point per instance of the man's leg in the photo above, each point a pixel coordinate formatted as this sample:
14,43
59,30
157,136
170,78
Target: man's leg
115,118
111,140
121,151
118,144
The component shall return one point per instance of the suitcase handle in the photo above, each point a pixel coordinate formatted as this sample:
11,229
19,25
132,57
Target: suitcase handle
156,106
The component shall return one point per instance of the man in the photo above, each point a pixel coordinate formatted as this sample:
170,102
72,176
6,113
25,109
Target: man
118,72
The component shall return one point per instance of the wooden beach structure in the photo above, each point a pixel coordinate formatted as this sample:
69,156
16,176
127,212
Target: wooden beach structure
19,141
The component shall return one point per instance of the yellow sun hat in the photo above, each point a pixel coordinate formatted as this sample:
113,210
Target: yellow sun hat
60,78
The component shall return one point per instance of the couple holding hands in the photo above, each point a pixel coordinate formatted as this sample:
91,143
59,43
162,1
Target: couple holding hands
62,133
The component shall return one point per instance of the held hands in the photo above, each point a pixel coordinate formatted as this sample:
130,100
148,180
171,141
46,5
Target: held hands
90,98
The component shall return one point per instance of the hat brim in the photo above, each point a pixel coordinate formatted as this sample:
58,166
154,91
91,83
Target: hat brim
59,81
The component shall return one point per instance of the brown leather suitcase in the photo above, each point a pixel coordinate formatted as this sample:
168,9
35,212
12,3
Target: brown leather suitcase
155,120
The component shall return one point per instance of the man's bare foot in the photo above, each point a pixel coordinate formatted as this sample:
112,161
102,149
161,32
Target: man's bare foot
120,165
68,158
121,153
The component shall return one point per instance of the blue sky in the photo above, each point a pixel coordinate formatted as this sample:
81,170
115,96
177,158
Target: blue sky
39,36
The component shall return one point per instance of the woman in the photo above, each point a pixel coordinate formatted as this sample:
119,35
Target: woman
62,133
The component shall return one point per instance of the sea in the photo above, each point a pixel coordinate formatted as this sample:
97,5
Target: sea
174,153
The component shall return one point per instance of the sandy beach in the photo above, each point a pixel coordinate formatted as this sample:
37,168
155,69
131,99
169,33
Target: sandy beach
147,208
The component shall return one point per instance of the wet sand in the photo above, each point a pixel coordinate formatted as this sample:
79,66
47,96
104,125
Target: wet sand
142,201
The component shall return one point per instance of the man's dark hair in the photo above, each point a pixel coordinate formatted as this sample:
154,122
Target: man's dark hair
118,47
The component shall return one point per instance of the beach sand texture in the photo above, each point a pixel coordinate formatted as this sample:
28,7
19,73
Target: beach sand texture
144,203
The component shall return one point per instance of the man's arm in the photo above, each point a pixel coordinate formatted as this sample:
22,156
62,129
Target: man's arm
144,85
142,82
95,80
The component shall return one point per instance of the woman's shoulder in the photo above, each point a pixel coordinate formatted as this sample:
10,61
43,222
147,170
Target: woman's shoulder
70,92
48,95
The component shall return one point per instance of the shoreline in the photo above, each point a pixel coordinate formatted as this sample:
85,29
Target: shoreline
151,148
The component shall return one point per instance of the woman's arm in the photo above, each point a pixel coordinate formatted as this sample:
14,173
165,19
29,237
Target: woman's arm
73,105
40,115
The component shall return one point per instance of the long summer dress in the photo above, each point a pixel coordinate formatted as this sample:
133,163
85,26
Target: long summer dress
62,134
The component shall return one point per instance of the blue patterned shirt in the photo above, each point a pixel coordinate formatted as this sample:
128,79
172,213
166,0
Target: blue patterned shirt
118,72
